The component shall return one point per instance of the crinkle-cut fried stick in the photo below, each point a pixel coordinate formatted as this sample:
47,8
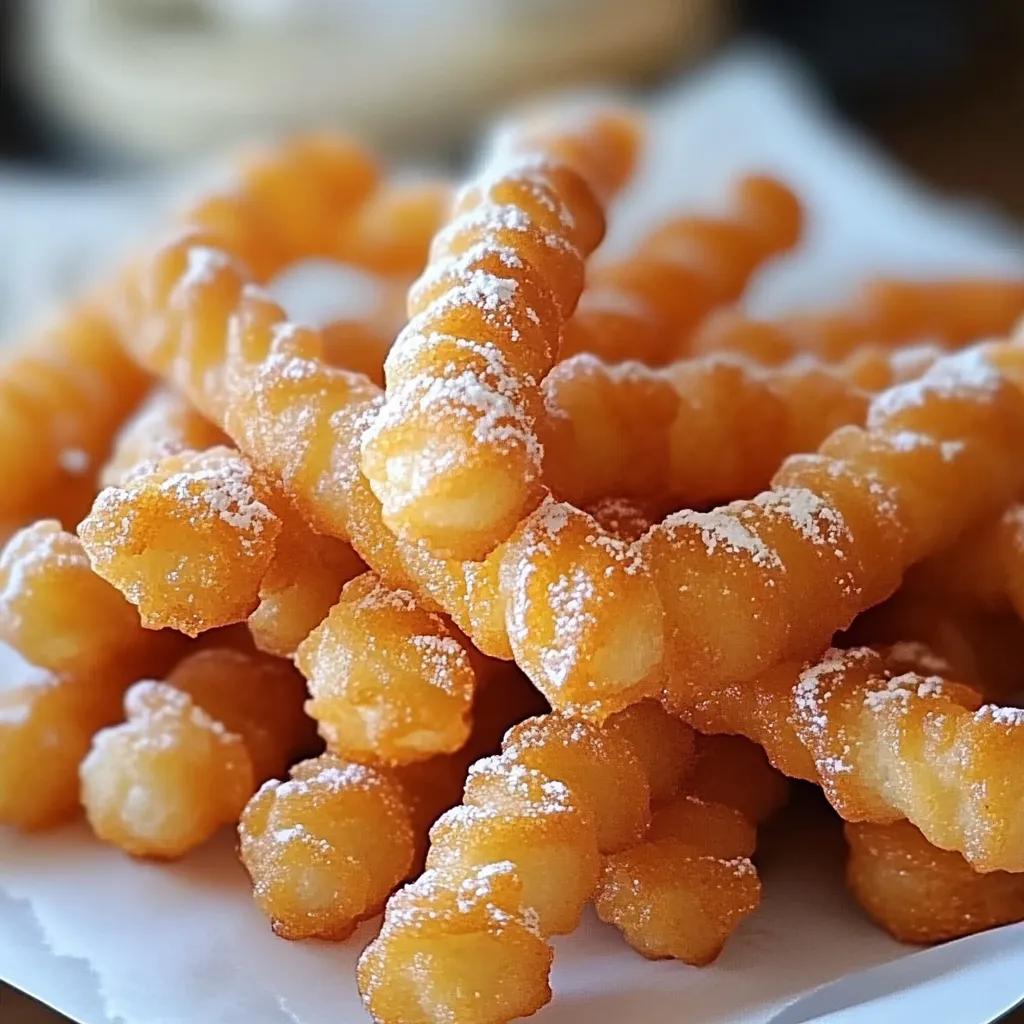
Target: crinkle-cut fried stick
453,454
690,883
885,744
193,536
562,793
733,584
63,394
320,195
195,278
313,196
325,849
919,893
595,622
959,310
46,723
390,233
192,750
187,539
87,644
58,614
683,891
301,584
841,524
646,306
887,312
700,430
680,436
389,681
238,237
347,215
179,527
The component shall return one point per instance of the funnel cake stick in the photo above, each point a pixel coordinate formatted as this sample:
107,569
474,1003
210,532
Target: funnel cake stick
453,454
87,644
193,750
63,395
699,430
919,893
886,313
646,306
886,744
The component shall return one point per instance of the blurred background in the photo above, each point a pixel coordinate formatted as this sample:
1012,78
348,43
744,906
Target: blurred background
100,100
90,85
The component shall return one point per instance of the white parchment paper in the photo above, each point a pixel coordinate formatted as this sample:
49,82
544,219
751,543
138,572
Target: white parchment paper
107,939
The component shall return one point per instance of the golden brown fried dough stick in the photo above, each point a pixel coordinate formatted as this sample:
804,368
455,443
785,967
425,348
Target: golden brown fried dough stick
453,454
87,645
57,613
886,744
198,540
63,394
326,847
695,432
188,539
561,793
885,314
919,893
646,306
390,681
192,751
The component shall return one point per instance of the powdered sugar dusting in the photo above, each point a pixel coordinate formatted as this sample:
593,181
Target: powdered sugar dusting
204,266
552,517
444,273
902,688
814,519
328,776
1000,715
719,530
808,695
568,598
226,488
967,374
381,597
40,549
442,657
911,361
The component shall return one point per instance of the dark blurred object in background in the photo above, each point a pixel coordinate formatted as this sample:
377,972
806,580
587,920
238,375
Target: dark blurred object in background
861,49
21,135
939,83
